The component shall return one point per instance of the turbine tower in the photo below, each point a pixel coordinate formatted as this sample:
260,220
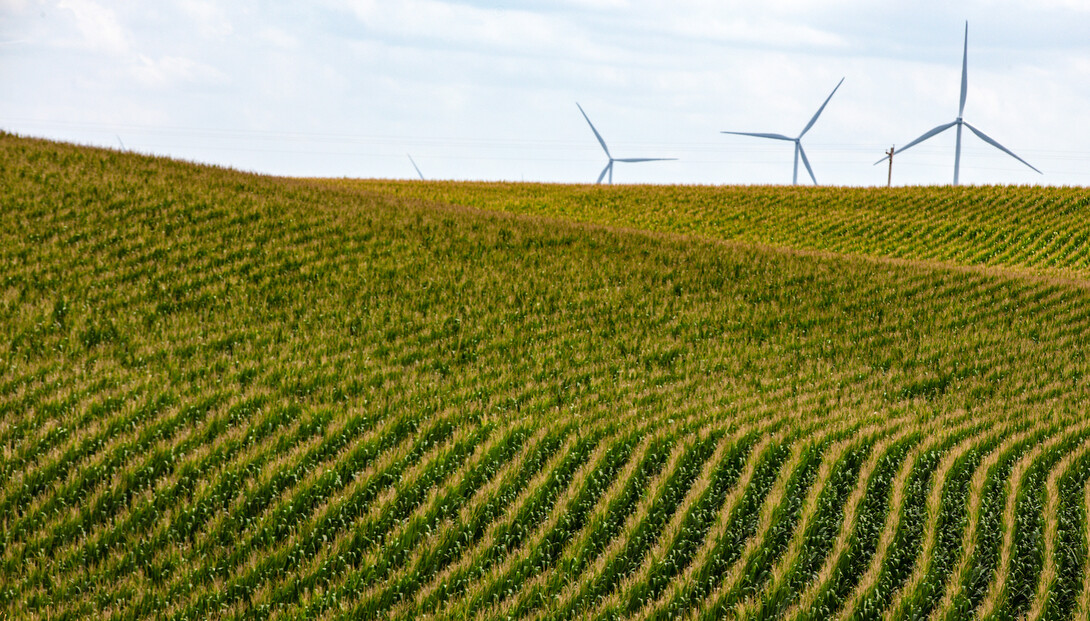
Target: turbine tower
959,122
609,166
799,151
416,167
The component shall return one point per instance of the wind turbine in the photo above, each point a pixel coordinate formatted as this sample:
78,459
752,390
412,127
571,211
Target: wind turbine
416,167
798,139
609,166
959,121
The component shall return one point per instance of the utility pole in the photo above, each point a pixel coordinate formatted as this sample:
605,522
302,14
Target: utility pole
889,178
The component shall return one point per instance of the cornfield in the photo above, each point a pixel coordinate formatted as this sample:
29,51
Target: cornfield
234,396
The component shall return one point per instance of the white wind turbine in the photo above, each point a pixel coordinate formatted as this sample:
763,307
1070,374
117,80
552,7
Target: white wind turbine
959,122
609,166
798,139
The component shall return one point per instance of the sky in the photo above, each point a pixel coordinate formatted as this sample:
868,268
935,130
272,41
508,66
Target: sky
480,89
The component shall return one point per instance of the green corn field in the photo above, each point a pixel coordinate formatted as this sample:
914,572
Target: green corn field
225,395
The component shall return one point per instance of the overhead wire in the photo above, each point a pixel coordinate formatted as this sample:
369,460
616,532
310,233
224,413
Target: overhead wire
713,151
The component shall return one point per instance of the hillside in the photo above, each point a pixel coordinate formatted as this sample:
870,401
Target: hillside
228,395
1039,229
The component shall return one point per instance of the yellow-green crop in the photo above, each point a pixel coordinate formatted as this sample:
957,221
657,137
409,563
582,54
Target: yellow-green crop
233,396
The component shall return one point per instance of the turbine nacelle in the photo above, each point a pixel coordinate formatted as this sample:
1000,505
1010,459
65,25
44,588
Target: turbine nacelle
627,160
799,151
959,121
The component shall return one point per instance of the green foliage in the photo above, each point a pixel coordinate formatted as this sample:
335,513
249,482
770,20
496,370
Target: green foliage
227,395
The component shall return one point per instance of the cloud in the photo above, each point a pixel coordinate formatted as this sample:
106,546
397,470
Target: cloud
496,81
210,20
279,38
99,26
433,23
766,33
170,70
1078,6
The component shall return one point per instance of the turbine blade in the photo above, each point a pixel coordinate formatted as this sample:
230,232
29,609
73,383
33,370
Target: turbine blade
964,71
592,128
821,109
604,171
756,135
806,163
416,167
937,130
995,144
646,159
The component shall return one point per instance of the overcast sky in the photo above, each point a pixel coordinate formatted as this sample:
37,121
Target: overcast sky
479,89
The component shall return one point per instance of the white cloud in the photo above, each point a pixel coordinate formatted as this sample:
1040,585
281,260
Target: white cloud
210,19
486,88
173,70
770,33
279,38
430,23
1080,6
12,6
99,26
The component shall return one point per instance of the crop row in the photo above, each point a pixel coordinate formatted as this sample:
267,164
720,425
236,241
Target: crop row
1043,228
224,395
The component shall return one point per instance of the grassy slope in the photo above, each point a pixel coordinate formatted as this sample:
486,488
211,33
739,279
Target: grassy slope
172,336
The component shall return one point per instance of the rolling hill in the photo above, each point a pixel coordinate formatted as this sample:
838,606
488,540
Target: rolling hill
235,396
